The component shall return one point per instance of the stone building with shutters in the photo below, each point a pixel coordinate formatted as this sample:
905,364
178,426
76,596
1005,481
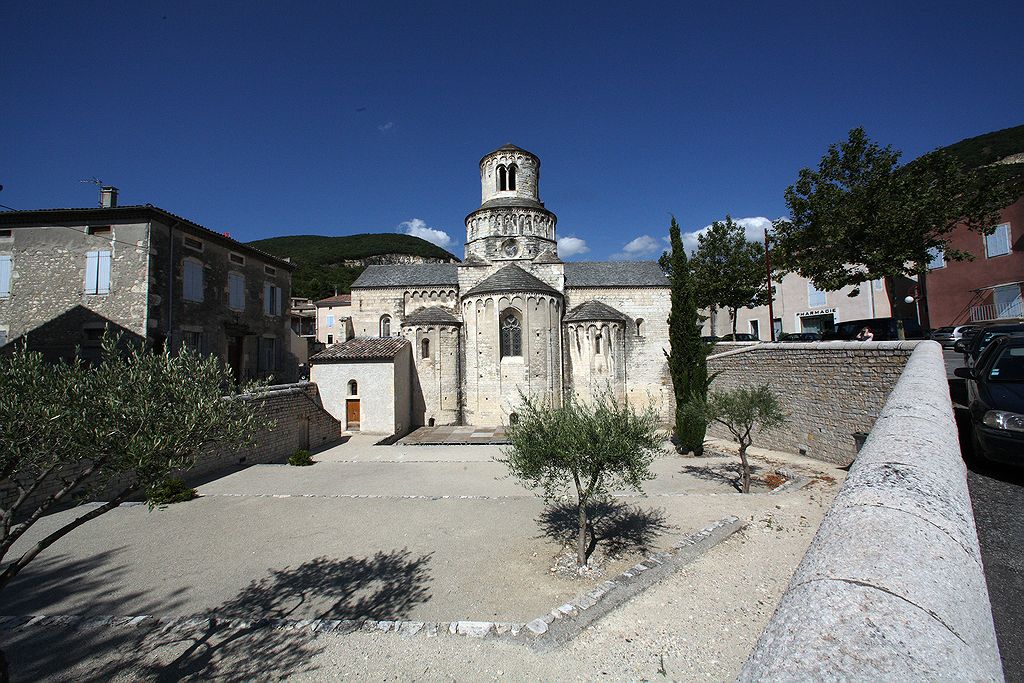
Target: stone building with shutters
66,275
512,318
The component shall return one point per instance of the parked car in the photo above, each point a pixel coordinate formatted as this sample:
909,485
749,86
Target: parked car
995,398
949,336
709,339
982,337
883,329
799,337
739,336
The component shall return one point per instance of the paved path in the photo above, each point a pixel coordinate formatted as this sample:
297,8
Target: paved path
997,495
432,533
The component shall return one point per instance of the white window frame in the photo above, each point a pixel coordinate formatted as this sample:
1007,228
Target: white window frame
1001,229
812,292
937,259
192,280
271,299
236,292
6,268
236,259
97,271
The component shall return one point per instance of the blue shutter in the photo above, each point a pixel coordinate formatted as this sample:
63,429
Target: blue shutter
277,301
5,275
91,268
103,273
268,294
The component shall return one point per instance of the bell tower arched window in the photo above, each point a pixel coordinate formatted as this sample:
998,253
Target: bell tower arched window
511,333
385,326
353,388
502,178
425,348
512,176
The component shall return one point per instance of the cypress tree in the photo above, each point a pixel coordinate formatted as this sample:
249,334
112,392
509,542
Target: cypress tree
687,360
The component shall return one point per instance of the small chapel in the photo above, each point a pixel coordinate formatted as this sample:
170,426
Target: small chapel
460,343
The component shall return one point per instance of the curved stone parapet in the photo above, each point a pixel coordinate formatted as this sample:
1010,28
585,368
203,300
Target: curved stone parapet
892,586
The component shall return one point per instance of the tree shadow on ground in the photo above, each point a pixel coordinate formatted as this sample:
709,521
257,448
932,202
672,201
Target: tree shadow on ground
385,586
728,473
614,526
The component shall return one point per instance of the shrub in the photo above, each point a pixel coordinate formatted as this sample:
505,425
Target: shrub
170,490
300,459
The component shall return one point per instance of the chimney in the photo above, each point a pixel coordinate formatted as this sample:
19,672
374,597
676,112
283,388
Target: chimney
108,197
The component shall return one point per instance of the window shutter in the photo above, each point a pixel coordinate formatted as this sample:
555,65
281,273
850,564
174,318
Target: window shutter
103,273
91,261
5,275
277,300
267,298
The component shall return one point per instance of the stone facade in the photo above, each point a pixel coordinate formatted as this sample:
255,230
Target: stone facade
76,272
512,319
829,391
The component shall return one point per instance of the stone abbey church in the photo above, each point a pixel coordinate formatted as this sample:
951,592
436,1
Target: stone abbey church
449,344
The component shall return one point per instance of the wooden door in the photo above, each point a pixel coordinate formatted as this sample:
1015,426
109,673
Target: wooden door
352,413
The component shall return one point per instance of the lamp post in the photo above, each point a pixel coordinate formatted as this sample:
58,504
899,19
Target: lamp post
768,270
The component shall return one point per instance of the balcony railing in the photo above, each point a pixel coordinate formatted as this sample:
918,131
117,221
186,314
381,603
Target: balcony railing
1014,309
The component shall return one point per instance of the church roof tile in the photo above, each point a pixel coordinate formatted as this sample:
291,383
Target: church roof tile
615,274
408,275
432,315
594,310
511,278
361,348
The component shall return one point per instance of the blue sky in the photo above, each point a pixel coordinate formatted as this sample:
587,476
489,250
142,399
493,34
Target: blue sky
266,119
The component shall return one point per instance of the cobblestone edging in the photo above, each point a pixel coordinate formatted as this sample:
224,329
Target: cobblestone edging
558,625
789,485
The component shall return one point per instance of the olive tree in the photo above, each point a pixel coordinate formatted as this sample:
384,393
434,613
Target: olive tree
120,427
742,410
590,446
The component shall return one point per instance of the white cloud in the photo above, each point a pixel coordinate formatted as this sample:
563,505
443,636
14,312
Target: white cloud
417,227
753,228
571,246
641,247
384,127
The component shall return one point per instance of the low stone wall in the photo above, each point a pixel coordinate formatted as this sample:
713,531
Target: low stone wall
299,422
892,586
292,416
829,390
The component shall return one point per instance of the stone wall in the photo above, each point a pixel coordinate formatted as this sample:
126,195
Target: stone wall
436,351
47,298
892,587
298,419
829,390
300,422
644,370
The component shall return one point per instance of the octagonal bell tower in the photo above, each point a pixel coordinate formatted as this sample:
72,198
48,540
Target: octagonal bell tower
511,223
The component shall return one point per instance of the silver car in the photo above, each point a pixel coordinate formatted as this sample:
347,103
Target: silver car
949,336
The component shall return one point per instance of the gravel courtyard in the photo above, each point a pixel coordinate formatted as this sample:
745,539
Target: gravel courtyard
427,533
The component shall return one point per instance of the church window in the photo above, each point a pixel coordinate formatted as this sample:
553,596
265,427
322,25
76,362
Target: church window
353,388
597,345
512,176
511,334
385,326
502,178
639,327
425,348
